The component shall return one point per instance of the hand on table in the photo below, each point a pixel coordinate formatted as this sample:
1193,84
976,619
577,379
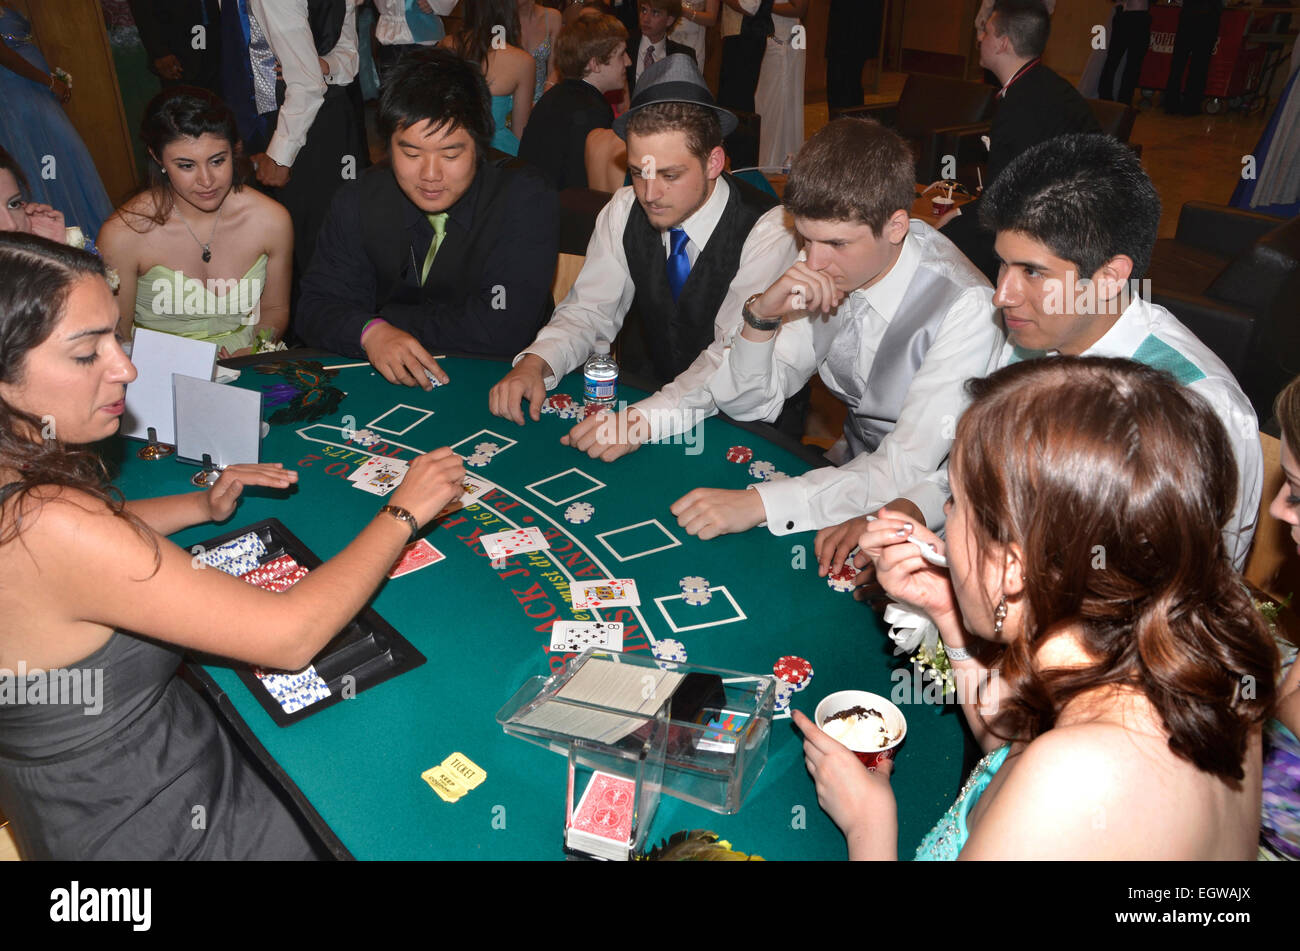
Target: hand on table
46,222
270,172
900,569
834,544
169,67
222,498
525,381
432,480
599,435
856,799
399,357
708,513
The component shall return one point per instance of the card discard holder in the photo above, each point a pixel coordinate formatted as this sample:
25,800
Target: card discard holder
717,724
367,652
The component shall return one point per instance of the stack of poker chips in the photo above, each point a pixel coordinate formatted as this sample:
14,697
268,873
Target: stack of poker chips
695,590
667,651
841,579
740,454
792,675
237,556
482,454
278,574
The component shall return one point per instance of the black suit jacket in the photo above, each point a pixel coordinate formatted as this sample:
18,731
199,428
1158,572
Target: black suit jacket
1038,106
167,29
487,292
634,46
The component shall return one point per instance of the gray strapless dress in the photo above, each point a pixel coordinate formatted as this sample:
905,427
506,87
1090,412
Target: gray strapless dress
153,775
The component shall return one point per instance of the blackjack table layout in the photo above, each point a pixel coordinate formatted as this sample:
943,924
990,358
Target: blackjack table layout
484,628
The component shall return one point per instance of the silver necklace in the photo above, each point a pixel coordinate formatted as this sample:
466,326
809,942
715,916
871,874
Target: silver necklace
207,248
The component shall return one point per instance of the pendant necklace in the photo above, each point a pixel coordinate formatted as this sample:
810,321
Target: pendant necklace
207,248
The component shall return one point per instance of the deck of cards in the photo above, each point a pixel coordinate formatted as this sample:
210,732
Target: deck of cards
601,825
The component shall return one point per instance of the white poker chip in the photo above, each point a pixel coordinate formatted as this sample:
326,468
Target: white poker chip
697,598
548,406
784,693
775,476
364,438
579,512
490,448
570,412
693,583
667,651
478,459
760,469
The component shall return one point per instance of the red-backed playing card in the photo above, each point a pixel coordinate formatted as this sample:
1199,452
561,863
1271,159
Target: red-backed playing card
419,554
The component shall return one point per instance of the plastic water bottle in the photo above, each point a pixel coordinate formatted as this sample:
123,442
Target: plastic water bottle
600,376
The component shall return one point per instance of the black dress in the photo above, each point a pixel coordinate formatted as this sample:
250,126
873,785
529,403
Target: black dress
555,138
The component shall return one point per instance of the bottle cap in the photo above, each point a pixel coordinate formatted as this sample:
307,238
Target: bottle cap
602,347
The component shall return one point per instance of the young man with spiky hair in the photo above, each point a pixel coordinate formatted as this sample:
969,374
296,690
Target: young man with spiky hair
680,248
1075,220
434,249
884,308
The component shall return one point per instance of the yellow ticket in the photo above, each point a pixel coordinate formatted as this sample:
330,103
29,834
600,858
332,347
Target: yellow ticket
467,773
444,783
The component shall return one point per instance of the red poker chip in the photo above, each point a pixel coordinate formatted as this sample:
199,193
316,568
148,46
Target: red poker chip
845,572
591,409
793,670
740,454
561,399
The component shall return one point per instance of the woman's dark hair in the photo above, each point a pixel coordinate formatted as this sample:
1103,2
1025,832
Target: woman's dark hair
9,164
483,22
1116,483
36,278
437,86
183,112
1286,409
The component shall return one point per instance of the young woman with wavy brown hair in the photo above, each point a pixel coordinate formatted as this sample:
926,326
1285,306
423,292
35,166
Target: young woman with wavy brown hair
91,590
1088,577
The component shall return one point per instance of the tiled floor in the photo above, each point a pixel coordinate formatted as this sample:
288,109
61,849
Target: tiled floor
1187,157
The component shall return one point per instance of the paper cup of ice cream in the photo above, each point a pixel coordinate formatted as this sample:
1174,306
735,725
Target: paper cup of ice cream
868,724
940,205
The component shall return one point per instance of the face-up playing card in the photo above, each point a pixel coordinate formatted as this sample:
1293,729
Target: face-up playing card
606,593
380,476
378,464
474,487
579,635
514,542
605,810
419,554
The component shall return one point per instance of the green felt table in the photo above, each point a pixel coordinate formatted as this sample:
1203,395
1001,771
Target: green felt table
355,767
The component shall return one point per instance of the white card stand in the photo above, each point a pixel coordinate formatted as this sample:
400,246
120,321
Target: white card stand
150,411
216,425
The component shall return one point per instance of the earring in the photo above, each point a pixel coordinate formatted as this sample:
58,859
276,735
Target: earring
999,615
163,170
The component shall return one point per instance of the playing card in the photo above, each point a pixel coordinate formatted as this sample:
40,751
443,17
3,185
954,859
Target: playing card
474,488
377,464
379,477
514,542
605,593
579,635
419,554
606,807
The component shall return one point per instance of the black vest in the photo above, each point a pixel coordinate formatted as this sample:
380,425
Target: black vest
661,338
325,17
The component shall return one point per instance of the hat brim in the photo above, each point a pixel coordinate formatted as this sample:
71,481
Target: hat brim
689,94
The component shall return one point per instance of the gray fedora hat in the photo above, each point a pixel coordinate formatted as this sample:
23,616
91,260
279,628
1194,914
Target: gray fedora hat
674,78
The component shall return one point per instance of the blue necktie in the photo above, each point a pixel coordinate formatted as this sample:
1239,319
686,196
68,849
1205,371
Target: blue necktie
679,265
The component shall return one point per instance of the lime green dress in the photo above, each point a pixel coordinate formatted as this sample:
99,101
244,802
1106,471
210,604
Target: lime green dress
224,312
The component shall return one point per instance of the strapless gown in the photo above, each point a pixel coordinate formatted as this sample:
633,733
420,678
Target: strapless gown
503,139
36,131
946,840
151,775
189,309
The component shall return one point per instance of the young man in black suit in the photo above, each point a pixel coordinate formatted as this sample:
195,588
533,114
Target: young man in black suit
433,250
649,43
1034,105
167,30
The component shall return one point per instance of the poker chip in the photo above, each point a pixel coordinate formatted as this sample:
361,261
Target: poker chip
740,454
775,476
693,584
561,400
548,406
490,448
569,412
364,438
760,469
478,459
698,598
794,671
668,653
841,579
591,409
784,694
579,512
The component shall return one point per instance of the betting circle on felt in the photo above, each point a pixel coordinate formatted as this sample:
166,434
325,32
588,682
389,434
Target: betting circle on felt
485,630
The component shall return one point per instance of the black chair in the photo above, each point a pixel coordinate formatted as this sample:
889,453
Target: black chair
939,117
1233,277
1116,120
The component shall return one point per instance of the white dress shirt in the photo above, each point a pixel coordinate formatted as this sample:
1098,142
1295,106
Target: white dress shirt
755,379
391,28
603,292
660,48
1149,334
287,30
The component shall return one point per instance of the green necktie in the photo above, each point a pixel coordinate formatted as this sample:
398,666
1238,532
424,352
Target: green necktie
439,222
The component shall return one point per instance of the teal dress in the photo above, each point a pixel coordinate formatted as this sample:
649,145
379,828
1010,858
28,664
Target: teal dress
946,840
503,139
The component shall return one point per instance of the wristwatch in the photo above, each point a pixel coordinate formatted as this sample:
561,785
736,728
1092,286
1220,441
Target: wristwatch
402,515
758,323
